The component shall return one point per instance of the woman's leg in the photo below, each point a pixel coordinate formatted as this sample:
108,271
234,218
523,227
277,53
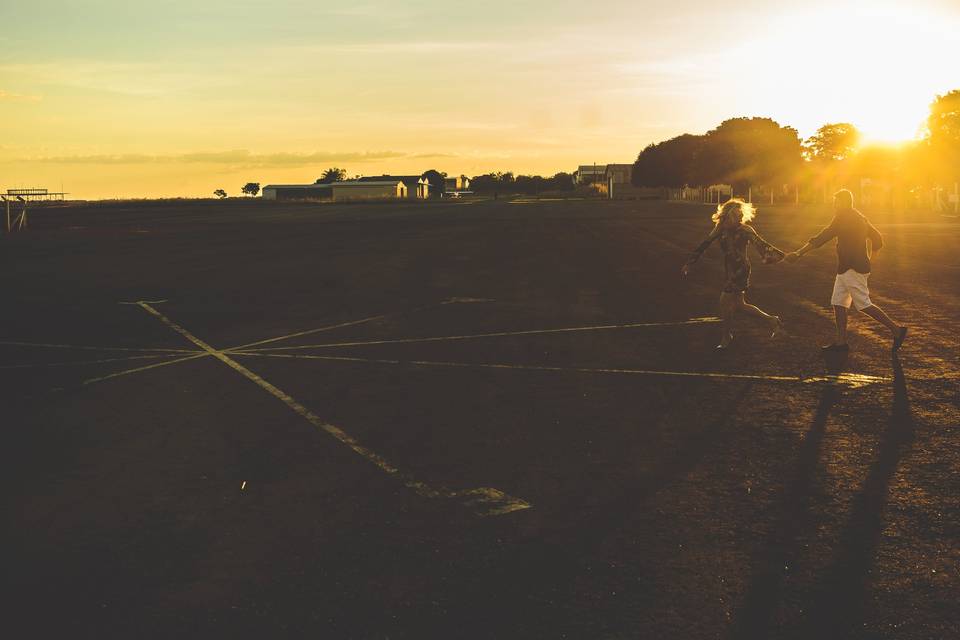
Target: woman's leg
728,308
757,312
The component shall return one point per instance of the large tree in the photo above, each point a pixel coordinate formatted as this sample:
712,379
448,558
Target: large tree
251,188
943,137
832,142
943,123
748,151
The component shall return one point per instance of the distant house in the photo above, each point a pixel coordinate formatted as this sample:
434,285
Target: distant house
460,183
417,186
618,173
298,191
589,174
369,190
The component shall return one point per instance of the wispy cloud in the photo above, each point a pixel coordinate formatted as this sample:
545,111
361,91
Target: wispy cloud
6,96
397,47
133,79
238,157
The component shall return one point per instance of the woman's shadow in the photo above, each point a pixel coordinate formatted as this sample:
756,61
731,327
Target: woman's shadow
838,603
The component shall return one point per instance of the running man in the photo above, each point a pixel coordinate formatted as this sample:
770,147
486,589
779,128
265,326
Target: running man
852,231
731,228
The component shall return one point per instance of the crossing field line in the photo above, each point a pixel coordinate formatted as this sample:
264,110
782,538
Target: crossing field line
127,372
311,331
352,323
91,347
79,362
484,500
496,334
851,380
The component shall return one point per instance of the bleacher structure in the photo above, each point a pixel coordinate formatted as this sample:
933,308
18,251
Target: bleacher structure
23,196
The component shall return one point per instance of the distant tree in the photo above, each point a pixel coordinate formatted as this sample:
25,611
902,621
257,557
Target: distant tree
251,188
667,164
437,182
220,193
333,174
562,182
832,142
498,182
483,183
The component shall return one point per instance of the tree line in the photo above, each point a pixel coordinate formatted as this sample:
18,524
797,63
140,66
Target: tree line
745,152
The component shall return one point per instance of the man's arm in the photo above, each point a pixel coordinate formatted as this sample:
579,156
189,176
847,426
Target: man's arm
876,240
815,242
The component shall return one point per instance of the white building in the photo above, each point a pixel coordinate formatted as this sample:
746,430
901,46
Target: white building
369,190
417,186
590,174
460,183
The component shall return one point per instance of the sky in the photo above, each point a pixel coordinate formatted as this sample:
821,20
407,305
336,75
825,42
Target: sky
108,98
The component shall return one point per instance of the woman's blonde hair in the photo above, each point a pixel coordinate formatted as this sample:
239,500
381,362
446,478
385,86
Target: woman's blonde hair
734,203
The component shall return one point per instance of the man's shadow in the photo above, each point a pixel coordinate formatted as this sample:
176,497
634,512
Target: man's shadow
836,609
837,606
783,547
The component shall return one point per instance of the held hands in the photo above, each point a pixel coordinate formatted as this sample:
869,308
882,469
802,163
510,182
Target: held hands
773,257
792,257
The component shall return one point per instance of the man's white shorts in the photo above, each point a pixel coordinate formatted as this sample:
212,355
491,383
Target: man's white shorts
851,287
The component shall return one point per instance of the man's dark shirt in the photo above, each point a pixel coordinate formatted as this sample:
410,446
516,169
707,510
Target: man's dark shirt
851,229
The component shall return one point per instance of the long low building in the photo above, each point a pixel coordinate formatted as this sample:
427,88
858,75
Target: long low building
346,190
297,192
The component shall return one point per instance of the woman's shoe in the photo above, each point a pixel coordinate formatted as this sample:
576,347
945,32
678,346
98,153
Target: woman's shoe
725,343
777,328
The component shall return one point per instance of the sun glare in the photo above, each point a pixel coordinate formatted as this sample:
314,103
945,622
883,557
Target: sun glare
876,66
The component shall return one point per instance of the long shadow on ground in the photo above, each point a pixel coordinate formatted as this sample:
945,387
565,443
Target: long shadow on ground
783,546
837,609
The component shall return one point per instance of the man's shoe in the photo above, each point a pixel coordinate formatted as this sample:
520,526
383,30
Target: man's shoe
899,338
835,347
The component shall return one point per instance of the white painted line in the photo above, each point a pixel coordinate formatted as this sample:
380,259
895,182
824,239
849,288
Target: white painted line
497,334
92,348
311,331
485,500
461,300
851,380
80,362
127,372
332,327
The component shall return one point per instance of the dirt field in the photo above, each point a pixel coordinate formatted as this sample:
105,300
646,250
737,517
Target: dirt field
311,436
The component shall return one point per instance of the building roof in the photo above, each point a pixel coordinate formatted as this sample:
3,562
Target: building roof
366,183
298,186
387,178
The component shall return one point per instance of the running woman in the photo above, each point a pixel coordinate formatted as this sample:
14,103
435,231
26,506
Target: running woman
734,234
